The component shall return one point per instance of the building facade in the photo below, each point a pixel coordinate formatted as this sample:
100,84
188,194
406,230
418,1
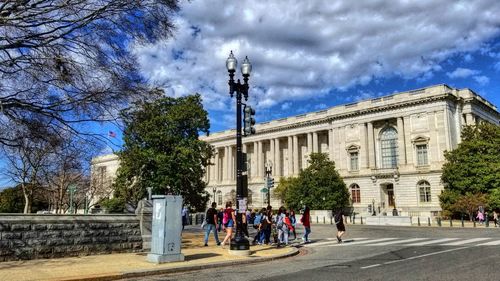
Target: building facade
389,150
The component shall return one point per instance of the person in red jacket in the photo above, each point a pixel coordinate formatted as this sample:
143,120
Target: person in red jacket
306,221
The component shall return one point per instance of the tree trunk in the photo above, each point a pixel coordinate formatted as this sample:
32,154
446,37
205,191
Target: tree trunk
27,202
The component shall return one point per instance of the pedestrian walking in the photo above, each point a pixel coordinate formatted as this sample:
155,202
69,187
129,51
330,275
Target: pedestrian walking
495,218
185,217
339,222
220,215
293,220
306,222
228,221
269,225
480,217
257,224
289,227
211,224
281,227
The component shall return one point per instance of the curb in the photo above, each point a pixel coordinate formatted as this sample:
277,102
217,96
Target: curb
142,273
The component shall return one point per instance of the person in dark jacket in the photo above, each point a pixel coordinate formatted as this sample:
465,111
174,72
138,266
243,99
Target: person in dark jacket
339,222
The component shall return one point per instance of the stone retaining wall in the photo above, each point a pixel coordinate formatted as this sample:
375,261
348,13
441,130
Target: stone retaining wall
50,236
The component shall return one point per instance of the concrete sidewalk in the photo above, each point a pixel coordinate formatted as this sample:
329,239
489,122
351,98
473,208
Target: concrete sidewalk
117,266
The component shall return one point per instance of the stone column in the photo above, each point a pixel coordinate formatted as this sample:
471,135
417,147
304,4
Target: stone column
225,169
364,160
230,164
469,119
309,149
330,144
271,153
277,158
261,161
255,158
290,156
295,155
315,142
216,168
371,146
401,142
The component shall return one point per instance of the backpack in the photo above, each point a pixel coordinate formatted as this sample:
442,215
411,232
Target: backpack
225,217
279,222
257,219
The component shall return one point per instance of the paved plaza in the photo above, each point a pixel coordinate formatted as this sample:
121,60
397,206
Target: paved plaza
375,253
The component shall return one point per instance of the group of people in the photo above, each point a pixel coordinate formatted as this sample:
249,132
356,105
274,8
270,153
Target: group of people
271,228
482,215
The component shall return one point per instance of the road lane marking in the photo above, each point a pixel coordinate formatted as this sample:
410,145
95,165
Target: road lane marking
462,242
432,242
332,242
492,243
363,242
416,257
399,241
370,266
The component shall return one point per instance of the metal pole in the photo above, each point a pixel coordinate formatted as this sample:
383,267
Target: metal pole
240,241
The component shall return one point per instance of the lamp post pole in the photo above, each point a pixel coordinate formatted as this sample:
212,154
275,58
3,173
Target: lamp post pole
269,171
241,90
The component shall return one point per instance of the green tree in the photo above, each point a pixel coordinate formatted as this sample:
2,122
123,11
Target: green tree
319,186
474,166
11,200
494,199
162,150
469,203
284,184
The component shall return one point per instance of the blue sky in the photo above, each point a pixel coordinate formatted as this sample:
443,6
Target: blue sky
319,54
310,55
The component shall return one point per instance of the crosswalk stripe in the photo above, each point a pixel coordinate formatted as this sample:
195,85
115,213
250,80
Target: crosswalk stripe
432,242
330,242
363,242
462,242
399,241
492,243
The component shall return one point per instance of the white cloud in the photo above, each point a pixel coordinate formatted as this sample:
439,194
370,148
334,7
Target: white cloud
286,105
481,80
462,73
299,51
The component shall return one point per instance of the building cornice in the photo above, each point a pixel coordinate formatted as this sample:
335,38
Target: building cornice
329,119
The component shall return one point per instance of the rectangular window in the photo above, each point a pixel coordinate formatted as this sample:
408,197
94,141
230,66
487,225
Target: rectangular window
354,161
425,193
355,194
422,154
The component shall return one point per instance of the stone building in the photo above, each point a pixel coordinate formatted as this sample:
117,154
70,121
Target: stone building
103,173
389,150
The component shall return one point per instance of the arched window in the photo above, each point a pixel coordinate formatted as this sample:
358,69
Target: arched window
424,189
355,193
389,147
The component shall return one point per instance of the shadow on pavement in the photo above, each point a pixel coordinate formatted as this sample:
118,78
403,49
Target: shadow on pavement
201,256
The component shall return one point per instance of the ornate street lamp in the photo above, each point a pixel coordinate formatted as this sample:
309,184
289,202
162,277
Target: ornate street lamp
241,90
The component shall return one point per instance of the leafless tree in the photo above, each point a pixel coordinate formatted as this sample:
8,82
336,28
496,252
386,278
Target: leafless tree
69,165
67,62
26,165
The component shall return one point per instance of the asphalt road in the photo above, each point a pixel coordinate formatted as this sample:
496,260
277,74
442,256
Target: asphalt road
376,253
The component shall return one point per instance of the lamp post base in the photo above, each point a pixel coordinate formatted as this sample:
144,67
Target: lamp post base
241,245
241,253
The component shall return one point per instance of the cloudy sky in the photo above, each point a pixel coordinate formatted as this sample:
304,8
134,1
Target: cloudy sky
309,55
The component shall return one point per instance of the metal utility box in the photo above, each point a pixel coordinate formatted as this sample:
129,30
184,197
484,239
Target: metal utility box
166,230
